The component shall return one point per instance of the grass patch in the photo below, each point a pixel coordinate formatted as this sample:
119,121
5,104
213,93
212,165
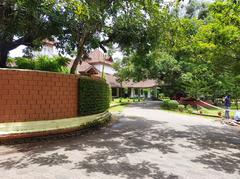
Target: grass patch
120,101
204,111
117,108
233,106
118,104
213,112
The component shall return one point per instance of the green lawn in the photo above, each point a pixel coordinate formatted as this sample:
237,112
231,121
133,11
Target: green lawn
117,108
234,106
120,101
117,105
214,112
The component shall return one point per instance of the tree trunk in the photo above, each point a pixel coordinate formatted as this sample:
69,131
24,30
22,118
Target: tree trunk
3,58
75,63
80,51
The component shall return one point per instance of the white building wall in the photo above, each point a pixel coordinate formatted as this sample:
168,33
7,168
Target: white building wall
46,51
107,69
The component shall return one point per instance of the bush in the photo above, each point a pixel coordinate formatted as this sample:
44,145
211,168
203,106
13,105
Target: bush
165,103
24,63
170,104
189,109
43,63
94,96
54,64
173,104
181,108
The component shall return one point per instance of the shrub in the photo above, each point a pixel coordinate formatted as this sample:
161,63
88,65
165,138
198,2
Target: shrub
181,108
173,104
169,104
24,63
43,63
189,109
165,103
110,94
94,96
54,64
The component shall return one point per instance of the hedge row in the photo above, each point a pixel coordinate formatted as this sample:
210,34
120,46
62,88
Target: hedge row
169,104
93,96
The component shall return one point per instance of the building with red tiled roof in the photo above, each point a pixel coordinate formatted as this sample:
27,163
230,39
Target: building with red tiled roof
99,63
103,64
99,60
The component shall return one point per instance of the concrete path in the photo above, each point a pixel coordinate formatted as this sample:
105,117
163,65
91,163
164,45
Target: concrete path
145,143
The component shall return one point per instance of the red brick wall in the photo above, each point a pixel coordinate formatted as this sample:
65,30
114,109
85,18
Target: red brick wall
32,95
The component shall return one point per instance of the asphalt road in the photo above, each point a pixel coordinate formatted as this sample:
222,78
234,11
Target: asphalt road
144,143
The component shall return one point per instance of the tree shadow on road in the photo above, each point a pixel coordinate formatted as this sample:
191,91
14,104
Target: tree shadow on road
106,150
126,137
222,146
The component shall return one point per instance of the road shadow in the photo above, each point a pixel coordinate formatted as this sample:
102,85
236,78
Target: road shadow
127,136
107,149
222,146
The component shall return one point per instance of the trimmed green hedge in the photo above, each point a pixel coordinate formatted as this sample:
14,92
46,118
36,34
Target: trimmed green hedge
93,96
169,104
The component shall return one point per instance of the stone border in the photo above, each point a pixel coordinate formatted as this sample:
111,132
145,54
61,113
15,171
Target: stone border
15,130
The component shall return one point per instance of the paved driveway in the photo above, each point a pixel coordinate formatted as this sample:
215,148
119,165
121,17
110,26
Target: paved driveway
145,143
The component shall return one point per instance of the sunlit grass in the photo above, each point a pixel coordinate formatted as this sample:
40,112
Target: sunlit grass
214,112
117,108
120,101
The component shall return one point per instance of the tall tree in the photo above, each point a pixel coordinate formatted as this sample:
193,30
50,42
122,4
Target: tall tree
26,22
106,22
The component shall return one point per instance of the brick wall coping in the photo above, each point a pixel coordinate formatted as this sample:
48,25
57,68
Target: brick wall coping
38,71
22,129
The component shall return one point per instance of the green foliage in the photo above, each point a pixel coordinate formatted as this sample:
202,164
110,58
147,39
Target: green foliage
27,22
24,63
97,123
197,57
110,96
189,109
181,108
165,103
43,63
169,104
94,96
161,96
173,105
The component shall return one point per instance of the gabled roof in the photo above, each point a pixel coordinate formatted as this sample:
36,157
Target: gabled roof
97,56
141,84
86,67
113,82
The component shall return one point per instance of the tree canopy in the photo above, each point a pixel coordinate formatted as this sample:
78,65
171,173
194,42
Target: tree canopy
26,22
194,54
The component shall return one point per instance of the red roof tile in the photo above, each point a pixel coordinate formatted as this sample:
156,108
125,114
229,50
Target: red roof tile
97,56
113,82
85,67
141,84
